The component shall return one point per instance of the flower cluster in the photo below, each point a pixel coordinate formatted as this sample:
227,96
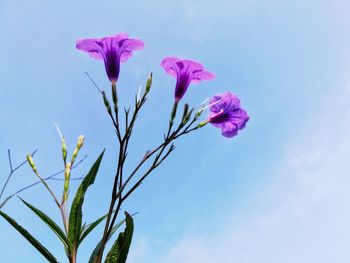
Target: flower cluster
225,110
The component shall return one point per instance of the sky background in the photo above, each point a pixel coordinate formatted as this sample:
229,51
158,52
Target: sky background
278,192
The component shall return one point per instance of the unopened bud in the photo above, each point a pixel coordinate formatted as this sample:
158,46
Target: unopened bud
202,124
187,117
64,146
64,150
31,163
198,114
149,82
80,141
77,148
66,181
186,107
106,102
67,170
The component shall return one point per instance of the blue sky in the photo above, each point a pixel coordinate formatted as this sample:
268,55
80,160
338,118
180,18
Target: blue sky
276,193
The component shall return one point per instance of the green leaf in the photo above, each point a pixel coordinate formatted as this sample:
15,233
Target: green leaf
75,216
88,228
30,238
47,220
94,253
83,228
120,249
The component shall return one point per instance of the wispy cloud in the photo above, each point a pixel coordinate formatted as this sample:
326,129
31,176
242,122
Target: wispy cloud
304,214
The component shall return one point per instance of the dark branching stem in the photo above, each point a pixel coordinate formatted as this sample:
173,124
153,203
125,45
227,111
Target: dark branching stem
118,195
158,160
123,146
162,152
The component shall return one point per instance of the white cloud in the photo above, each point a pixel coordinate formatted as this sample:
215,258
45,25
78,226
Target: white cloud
306,210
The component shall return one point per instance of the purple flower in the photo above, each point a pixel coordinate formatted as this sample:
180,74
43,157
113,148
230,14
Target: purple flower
112,50
227,114
185,71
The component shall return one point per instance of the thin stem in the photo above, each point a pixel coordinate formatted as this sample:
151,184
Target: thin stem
111,207
9,156
12,170
115,215
115,121
48,188
72,179
168,139
64,218
93,82
116,110
155,164
51,177
24,162
123,145
118,180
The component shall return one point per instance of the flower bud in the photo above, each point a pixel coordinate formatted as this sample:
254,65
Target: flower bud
198,114
149,82
67,170
186,107
66,181
202,124
80,141
77,148
187,117
31,163
63,143
64,151
106,102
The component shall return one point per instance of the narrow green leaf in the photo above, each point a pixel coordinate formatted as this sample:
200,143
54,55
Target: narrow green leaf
94,253
75,216
47,220
30,238
120,249
83,228
88,228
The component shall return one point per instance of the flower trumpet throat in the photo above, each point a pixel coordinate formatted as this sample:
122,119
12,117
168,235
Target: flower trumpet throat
112,50
185,71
